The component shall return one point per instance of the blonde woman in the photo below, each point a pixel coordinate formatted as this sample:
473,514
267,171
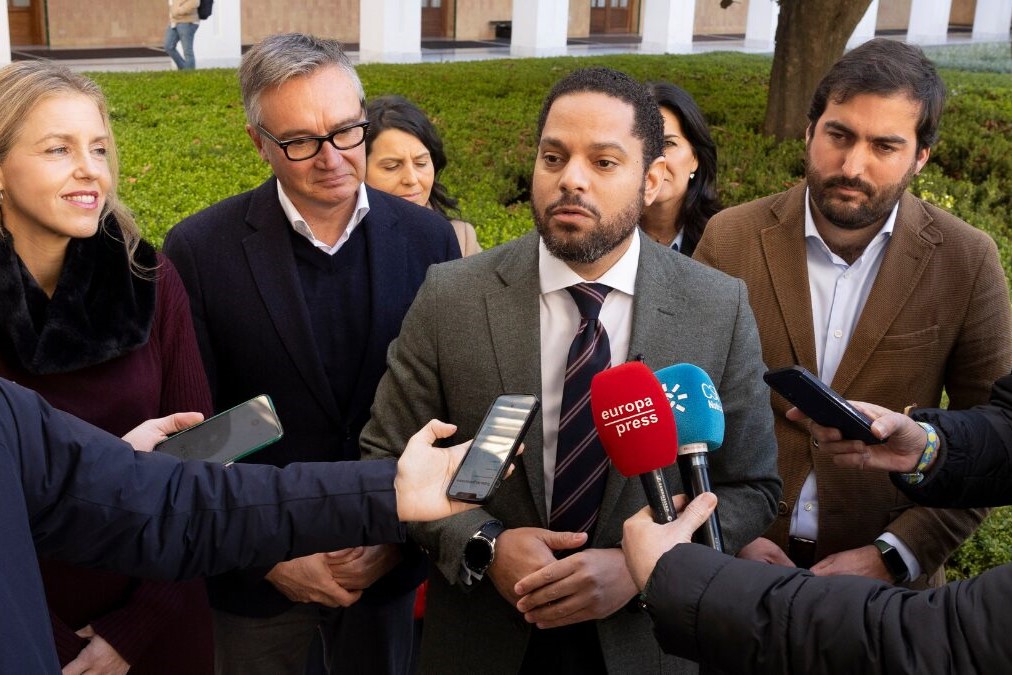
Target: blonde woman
98,323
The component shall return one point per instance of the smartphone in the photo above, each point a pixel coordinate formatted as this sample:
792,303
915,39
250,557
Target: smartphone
822,404
228,436
494,447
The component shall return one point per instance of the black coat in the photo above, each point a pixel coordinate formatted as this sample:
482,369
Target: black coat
72,492
974,465
746,617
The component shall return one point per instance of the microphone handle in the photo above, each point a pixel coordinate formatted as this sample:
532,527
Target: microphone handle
695,470
658,496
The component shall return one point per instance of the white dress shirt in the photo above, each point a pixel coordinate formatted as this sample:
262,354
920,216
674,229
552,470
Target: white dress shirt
300,225
560,320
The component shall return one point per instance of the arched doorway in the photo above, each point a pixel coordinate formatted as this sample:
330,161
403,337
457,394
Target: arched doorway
27,22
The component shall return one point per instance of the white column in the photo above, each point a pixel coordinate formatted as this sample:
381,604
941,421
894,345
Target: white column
218,42
390,31
929,22
667,26
991,20
540,28
761,25
865,29
5,38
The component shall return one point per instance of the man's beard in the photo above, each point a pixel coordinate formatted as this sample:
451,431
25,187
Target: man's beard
594,244
850,215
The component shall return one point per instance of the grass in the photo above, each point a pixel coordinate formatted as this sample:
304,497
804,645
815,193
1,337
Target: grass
183,147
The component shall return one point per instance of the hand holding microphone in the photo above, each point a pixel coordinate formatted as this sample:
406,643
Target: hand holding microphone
637,429
644,541
700,417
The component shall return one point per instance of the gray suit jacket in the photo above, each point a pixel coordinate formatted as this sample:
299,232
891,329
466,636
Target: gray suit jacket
472,334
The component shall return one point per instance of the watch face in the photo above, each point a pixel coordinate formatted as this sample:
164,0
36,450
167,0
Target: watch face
478,554
892,560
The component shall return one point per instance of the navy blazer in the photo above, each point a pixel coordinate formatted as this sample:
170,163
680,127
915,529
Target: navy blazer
255,336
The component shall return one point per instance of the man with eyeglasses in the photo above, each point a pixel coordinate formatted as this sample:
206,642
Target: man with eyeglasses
297,287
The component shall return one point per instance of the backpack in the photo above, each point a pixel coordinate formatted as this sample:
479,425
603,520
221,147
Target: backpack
204,9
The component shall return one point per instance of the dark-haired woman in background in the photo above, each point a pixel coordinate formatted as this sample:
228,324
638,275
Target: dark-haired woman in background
404,157
688,196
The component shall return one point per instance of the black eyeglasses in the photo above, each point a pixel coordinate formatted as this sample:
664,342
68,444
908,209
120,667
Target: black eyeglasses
307,147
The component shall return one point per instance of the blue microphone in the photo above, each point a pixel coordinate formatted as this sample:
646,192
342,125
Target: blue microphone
699,416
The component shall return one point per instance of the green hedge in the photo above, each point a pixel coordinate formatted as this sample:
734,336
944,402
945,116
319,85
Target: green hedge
183,147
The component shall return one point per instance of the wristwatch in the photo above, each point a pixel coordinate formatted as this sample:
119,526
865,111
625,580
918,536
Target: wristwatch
479,552
893,561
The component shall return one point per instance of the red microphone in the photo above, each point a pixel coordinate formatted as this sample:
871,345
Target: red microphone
637,429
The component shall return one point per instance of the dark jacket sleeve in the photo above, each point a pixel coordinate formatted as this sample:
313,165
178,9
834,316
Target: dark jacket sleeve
742,616
974,465
93,501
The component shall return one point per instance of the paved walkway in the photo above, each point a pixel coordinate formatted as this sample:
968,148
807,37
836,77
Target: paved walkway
149,58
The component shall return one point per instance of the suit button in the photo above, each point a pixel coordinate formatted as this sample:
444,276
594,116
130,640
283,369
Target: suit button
782,508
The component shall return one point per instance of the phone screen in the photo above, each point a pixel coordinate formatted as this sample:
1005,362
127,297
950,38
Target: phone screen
228,436
493,447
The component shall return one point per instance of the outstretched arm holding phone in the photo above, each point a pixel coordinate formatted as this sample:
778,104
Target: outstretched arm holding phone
972,466
739,615
72,492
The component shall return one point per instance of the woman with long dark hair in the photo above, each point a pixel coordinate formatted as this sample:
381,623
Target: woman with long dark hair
404,157
688,196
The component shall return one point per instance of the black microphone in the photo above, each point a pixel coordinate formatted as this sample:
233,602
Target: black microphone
700,417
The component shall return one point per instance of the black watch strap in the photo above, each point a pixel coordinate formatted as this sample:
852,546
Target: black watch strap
893,561
479,552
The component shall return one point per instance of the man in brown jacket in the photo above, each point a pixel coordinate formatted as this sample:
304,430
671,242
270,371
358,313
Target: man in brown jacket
884,296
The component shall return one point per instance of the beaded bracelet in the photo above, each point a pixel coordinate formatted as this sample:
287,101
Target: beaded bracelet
930,449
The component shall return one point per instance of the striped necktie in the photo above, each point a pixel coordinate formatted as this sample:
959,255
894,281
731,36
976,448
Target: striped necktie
581,467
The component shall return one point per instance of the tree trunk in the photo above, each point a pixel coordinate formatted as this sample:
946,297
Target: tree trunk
811,36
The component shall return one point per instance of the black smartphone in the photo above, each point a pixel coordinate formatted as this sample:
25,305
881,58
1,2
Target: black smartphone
228,436
494,446
822,404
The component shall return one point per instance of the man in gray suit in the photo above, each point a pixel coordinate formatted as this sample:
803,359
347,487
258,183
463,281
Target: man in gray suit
512,591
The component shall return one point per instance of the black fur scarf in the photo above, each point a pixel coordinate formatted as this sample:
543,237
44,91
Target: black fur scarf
99,310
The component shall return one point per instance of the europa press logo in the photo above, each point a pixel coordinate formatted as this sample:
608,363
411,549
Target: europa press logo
679,398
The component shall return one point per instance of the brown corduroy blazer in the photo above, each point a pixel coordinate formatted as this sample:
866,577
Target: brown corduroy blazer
938,316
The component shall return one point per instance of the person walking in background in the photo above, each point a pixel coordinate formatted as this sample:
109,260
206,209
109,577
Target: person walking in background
404,156
688,196
183,24
99,325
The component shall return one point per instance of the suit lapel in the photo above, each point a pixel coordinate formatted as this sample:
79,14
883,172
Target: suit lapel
784,247
389,291
514,322
272,263
907,256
